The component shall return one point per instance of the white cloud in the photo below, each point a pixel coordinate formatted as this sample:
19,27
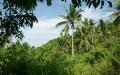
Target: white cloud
95,14
91,13
47,23
42,32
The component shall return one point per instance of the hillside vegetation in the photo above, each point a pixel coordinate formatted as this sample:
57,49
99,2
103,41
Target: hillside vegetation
99,56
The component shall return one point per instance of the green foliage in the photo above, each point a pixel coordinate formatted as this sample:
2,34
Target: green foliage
97,47
48,63
15,14
89,3
49,60
15,60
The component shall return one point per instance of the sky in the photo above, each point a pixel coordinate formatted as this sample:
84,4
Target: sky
48,17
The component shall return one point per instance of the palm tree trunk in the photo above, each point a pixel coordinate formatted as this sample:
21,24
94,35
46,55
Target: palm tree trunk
87,45
93,43
72,43
93,47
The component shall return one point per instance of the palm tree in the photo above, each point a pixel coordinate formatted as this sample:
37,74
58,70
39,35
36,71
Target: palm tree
116,23
88,34
92,33
116,15
71,18
101,30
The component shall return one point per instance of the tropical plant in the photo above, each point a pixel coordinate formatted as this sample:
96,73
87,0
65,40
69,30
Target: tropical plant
85,35
71,18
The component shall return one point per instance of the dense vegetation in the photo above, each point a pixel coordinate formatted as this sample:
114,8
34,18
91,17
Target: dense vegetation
96,49
97,52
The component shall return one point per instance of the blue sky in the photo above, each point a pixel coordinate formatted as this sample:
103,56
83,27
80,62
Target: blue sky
48,17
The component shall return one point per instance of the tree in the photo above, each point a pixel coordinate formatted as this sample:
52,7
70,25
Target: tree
116,15
101,30
86,34
15,61
89,3
70,21
95,3
15,15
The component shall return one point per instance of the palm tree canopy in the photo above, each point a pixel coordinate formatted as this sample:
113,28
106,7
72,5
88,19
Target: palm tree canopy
72,16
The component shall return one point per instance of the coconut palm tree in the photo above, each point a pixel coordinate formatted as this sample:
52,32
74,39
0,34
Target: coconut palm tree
116,15
88,33
71,18
85,36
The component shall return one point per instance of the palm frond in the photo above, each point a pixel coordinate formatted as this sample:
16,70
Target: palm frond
115,14
117,20
61,23
65,30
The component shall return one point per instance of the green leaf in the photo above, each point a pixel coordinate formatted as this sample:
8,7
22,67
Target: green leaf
110,3
90,4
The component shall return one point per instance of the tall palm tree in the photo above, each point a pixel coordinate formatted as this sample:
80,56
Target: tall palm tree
88,33
71,18
85,36
92,33
101,31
